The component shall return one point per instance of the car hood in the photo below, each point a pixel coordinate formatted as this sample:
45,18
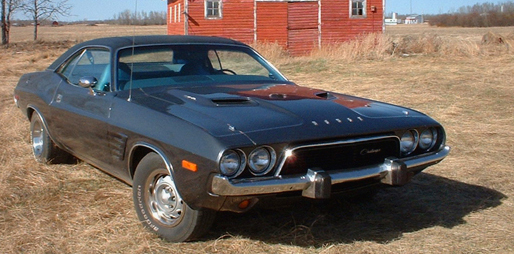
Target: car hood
285,111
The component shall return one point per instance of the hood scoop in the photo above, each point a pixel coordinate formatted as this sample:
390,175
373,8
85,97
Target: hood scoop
325,95
233,101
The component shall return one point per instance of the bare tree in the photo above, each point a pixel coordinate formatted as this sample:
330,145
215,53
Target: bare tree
8,8
45,9
4,24
141,18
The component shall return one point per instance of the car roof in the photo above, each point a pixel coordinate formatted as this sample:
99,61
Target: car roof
121,42
116,43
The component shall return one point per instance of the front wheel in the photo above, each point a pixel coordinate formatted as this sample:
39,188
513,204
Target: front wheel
160,207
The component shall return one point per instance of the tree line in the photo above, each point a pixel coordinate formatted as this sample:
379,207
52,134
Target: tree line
40,11
142,18
478,15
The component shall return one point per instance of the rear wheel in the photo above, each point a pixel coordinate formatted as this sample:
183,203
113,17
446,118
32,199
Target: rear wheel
160,207
44,149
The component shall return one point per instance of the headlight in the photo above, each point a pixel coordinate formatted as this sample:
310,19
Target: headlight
261,160
232,163
427,139
409,142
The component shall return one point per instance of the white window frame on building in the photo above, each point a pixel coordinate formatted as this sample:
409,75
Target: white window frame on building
213,9
358,8
175,13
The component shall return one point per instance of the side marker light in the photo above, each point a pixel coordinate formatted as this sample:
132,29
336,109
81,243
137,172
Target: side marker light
189,165
244,204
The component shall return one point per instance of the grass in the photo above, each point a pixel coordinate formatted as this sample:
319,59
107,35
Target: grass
463,205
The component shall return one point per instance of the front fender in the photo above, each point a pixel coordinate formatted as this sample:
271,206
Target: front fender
193,186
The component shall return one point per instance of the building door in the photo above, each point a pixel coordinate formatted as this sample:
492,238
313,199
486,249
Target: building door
302,26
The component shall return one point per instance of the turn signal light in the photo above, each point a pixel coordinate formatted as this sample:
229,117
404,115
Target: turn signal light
244,204
189,165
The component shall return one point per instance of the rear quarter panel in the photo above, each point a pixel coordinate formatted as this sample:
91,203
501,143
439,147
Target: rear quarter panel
36,91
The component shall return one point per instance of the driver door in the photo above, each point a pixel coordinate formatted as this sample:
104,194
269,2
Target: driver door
80,115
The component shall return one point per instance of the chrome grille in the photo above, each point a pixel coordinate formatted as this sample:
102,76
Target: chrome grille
340,155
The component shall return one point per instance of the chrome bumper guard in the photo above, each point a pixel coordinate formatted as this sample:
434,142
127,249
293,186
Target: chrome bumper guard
317,183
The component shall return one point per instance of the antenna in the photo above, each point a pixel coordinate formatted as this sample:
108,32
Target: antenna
133,49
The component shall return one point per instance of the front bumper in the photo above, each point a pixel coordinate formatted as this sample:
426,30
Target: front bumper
317,183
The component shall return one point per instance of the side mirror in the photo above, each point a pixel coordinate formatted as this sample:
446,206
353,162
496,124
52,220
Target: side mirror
88,82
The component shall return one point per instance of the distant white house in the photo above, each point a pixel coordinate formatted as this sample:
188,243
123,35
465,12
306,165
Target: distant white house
414,19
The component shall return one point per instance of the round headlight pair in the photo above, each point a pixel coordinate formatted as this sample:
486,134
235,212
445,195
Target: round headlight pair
410,140
260,161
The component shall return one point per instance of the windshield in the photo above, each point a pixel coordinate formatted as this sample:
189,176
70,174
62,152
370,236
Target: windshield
192,65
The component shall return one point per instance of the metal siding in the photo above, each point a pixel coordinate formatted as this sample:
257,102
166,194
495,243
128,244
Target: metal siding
175,27
302,41
236,22
302,27
337,26
302,15
272,22
293,24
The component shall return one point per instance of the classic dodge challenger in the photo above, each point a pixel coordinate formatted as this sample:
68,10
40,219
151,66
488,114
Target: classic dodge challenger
203,124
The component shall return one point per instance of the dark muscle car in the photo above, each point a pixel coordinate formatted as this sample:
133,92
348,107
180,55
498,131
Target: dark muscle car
203,124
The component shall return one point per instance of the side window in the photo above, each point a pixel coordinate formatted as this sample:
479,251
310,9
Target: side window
89,63
213,9
357,8
68,69
237,63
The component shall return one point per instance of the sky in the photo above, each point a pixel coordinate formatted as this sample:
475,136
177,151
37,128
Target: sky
107,9
431,6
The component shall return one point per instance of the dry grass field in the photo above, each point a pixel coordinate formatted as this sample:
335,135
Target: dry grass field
463,205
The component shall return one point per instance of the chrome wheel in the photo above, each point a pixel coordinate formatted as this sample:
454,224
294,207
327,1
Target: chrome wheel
165,203
159,205
37,136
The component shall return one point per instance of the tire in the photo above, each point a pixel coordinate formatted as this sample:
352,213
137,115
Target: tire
160,207
44,149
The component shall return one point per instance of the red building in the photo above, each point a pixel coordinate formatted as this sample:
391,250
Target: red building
297,25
